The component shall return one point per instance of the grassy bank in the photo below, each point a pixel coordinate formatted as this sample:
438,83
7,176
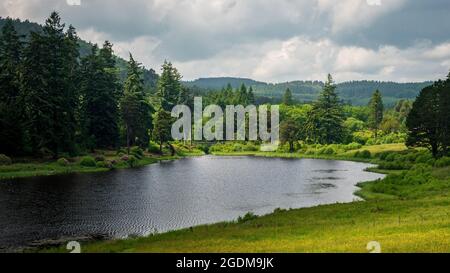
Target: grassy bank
103,161
409,211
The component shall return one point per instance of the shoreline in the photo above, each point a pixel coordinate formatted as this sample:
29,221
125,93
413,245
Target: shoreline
257,154
17,171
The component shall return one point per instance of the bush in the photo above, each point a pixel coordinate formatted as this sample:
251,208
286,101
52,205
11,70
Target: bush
99,158
442,162
5,160
63,162
363,154
137,152
248,217
327,151
132,161
88,161
153,148
395,165
352,146
105,165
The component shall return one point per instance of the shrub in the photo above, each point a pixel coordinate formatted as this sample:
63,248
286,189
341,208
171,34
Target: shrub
63,162
153,148
248,217
5,160
442,162
137,152
99,158
395,165
391,157
352,146
363,154
366,154
327,151
132,161
105,165
88,161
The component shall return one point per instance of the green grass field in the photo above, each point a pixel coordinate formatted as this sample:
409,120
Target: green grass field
409,211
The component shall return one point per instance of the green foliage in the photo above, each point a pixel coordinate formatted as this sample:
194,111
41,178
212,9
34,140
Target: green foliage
289,133
169,86
101,91
99,158
88,161
287,97
137,152
325,120
428,122
11,109
442,162
376,112
132,161
363,154
63,162
5,160
135,109
250,216
51,59
162,132
229,147
153,147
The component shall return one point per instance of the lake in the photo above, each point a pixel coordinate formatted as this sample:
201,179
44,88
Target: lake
168,196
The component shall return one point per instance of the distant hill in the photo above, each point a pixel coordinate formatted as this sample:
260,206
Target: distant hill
354,92
24,28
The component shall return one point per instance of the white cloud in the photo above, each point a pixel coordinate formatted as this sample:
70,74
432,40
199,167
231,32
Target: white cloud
264,39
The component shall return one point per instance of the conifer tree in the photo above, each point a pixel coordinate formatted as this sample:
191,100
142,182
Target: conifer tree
11,108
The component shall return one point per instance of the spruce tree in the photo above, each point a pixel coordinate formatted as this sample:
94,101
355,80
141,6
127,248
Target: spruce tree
325,120
376,108
49,77
287,97
162,130
169,86
101,92
11,107
135,109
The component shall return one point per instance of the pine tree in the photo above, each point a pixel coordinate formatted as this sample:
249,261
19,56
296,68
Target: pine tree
101,92
135,109
325,120
11,108
287,97
376,108
169,86
162,130
251,96
50,73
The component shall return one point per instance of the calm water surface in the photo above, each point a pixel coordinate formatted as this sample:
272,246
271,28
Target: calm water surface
168,196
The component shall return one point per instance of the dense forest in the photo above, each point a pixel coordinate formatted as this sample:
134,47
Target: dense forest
354,92
56,101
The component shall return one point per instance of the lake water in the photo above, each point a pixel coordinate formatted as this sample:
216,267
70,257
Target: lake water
168,196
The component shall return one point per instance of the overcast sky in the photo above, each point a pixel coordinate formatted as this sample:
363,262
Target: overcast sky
268,40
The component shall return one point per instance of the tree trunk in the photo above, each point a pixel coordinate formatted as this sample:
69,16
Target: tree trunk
161,147
172,149
291,147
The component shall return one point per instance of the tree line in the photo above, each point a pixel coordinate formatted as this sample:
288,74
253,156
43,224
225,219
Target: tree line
53,101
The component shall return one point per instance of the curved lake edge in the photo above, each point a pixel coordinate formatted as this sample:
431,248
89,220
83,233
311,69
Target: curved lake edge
53,244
